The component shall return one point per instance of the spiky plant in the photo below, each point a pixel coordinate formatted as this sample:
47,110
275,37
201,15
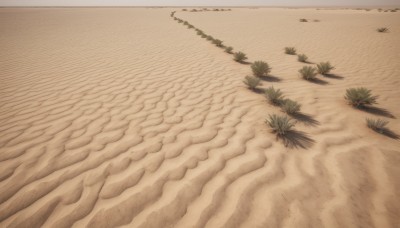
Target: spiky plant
324,67
290,50
383,29
239,56
260,68
280,125
217,42
377,125
251,82
274,96
303,20
290,106
302,58
308,72
229,49
360,97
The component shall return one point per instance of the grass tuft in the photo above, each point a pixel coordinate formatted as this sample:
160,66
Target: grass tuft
290,50
280,125
239,56
377,125
324,67
274,96
360,97
290,106
302,58
251,82
260,68
308,73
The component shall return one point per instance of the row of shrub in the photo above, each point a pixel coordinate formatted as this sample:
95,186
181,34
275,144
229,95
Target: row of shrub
206,9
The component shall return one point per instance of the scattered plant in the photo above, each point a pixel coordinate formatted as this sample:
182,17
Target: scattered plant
360,97
324,68
274,96
217,42
280,125
377,125
239,56
228,49
383,29
308,72
260,68
251,82
302,58
290,50
290,106
303,20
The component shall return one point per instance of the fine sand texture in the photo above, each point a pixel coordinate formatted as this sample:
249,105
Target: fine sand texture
122,117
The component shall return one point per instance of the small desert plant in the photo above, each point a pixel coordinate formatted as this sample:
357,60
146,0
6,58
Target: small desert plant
199,32
260,68
316,20
180,21
210,38
359,97
239,56
324,67
290,106
308,72
303,20
228,49
302,58
184,9
204,35
280,124
185,23
251,82
383,29
217,42
290,50
377,125
274,96
190,26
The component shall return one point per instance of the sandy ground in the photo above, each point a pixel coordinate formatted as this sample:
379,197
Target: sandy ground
123,117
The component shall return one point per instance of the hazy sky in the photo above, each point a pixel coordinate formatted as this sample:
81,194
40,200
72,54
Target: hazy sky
197,2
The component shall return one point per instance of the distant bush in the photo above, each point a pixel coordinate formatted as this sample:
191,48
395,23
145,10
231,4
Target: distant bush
217,42
229,49
383,29
316,20
274,96
280,125
251,82
185,23
180,21
290,107
200,32
239,56
204,35
302,58
210,38
290,50
303,20
190,26
377,125
260,68
184,9
308,72
360,97
324,67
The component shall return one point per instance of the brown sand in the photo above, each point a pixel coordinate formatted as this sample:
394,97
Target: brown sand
123,117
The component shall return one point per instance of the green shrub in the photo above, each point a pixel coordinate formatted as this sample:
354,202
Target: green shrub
290,50
228,49
290,107
383,29
308,72
239,56
302,58
274,96
360,97
324,67
251,82
303,20
260,68
280,125
217,42
377,125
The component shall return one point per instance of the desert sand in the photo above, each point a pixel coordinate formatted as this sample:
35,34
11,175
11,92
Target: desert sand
122,117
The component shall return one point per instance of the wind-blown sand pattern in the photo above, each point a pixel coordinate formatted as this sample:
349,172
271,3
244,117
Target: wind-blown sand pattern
123,117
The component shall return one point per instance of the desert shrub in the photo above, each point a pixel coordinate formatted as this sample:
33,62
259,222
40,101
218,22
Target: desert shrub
210,38
377,125
251,82
360,97
383,29
190,26
302,58
180,21
303,20
280,124
172,14
274,96
308,72
290,106
290,50
324,67
184,9
204,35
260,68
199,32
316,20
228,49
217,42
239,56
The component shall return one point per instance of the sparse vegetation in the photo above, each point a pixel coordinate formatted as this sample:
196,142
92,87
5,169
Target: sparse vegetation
302,58
324,68
360,97
200,33
383,29
290,106
217,42
228,49
239,56
210,38
308,72
204,35
260,68
303,20
251,82
377,125
274,96
280,125
290,50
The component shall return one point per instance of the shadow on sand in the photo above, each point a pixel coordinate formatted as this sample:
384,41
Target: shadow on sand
306,119
270,78
296,139
334,76
378,111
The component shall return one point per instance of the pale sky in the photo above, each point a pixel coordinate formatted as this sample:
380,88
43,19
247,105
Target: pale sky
198,2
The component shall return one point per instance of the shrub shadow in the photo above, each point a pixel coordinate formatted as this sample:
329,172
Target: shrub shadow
318,81
389,133
378,111
333,76
270,78
258,90
306,119
296,139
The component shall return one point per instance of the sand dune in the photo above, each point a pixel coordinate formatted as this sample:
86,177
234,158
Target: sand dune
123,117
